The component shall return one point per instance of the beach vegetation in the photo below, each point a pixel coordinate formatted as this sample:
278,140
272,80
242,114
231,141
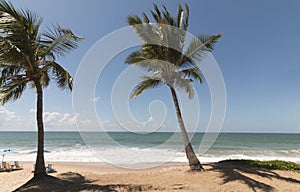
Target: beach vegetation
272,164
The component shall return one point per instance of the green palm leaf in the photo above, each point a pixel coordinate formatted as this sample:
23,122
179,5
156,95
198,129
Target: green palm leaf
135,58
193,73
58,41
162,50
61,76
13,89
198,49
147,83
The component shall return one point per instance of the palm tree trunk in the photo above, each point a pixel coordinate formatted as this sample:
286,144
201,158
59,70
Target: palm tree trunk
40,169
194,163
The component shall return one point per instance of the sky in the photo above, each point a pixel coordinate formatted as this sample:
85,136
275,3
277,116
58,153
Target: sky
258,56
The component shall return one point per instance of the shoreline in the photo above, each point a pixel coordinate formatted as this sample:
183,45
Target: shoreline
138,166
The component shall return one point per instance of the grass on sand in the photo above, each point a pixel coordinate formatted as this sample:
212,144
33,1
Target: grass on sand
272,165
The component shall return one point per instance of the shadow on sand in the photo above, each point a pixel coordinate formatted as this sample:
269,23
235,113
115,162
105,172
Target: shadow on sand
232,171
74,182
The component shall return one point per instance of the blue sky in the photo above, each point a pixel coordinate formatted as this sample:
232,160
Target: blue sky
258,56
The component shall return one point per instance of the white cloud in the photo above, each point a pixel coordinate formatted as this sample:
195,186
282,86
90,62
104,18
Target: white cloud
57,117
65,117
68,119
32,110
97,125
95,99
52,117
57,120
6,114
54,121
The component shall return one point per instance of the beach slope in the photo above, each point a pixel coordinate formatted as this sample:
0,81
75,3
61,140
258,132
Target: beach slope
170,177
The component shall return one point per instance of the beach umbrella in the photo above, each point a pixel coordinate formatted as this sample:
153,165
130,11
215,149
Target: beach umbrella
6,152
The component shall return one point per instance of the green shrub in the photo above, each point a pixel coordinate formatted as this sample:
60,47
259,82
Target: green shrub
274,165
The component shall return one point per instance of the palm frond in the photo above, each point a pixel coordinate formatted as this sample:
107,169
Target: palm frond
134,20
135,57
147,83
209,41
198,48
7,70
165,32
4,80
146,31
162,48
180,17
152,51
19,31
13,89
185,85
146,19
61,76
187,15
58,41
157,14
189,89
193,73
27,55
45,79
141,60
10,53
7,7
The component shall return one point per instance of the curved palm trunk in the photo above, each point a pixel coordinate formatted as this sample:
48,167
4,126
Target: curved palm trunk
194,163
40,169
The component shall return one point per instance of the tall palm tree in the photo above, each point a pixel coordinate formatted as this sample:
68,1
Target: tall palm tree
163,56
27,59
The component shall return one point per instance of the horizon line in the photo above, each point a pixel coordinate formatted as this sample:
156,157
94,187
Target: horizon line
143,132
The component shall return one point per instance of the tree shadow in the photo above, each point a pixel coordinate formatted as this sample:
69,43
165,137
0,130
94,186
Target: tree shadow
74,182
234,171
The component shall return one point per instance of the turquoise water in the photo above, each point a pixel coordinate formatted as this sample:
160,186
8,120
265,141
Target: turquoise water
128,148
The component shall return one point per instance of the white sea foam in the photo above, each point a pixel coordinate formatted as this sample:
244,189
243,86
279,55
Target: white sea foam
130,157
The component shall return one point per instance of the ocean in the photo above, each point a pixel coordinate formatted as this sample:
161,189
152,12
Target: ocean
129,149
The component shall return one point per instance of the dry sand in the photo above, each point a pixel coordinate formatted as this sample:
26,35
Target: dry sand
101,177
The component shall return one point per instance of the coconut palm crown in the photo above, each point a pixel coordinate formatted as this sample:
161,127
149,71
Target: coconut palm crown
28,59
164,56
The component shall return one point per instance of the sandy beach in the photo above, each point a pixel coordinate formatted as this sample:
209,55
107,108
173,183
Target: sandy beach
169,177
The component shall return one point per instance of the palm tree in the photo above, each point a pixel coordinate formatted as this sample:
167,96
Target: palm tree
163,56
27,59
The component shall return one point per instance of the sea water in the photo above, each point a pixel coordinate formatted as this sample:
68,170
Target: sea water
133,148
